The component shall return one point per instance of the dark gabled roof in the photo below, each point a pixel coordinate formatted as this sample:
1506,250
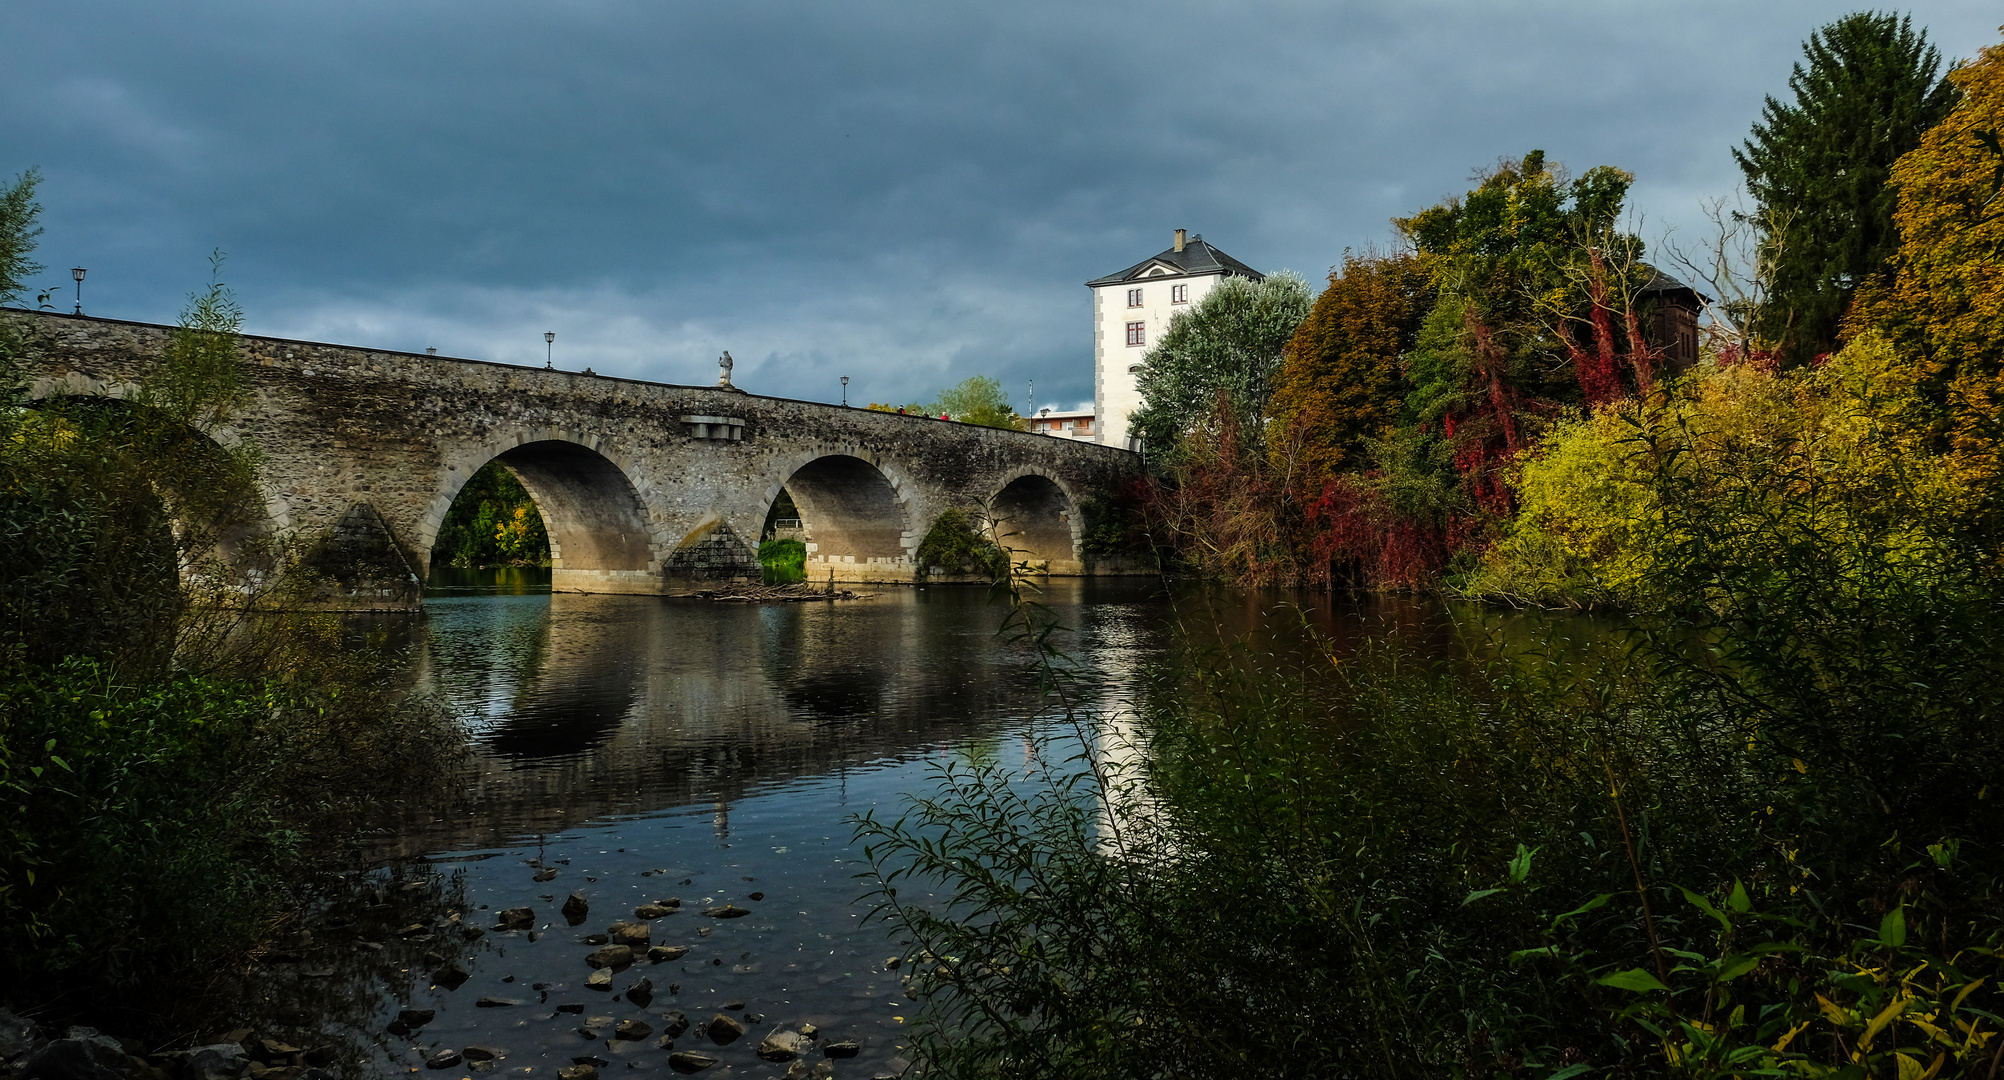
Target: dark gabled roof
1660,282
1197,257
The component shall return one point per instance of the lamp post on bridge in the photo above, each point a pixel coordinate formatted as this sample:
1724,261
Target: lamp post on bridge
549,349
78,272
845,391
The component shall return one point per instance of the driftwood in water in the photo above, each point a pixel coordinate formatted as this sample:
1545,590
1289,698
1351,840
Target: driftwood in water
783,594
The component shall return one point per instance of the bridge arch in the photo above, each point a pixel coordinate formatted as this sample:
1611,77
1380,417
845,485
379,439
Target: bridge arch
853,506
601,536
278,512
1037,515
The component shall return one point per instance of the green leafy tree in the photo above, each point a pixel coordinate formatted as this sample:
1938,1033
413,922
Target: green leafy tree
18,211
1818,167
1230,343
978,399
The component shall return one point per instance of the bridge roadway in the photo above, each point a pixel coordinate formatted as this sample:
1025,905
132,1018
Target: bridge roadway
644,487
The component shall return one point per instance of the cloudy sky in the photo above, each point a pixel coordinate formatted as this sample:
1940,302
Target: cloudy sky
905,193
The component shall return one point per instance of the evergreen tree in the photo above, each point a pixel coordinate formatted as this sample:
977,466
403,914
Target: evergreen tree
1818,167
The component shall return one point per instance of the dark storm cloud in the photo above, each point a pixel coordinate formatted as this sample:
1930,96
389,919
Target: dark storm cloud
906,193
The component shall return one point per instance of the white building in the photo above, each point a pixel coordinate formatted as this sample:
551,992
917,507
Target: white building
1065,423
1131,309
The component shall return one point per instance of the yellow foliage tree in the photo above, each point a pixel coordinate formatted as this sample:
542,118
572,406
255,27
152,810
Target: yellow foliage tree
1946,304
1842,450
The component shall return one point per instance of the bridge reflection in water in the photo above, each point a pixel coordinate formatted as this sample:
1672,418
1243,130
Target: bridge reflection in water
589,706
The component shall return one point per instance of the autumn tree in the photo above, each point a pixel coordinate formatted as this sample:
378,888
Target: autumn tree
1945,305
1514,263
1818,167
1340,384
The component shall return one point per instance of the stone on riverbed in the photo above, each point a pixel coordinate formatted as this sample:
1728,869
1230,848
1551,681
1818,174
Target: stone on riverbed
688,1061
632,1030
655,911
724,1028
497,1002
82,1054
611,956
416,1018
215,1059
641,993
661,954
600,980
628,933
784,1045
450,975
515,918
678,1022
726,911
444,1059
847,1048
577,1072
576,907
482,1053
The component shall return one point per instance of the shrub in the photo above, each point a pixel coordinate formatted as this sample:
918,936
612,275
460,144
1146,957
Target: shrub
782,562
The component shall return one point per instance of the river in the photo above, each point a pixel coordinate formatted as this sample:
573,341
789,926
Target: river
636,750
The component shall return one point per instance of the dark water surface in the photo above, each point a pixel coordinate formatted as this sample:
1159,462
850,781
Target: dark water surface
646,749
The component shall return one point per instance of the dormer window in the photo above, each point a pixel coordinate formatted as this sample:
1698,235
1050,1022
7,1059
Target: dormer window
1134,298
1179,294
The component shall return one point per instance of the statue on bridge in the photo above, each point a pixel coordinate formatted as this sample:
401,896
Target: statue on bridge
724,365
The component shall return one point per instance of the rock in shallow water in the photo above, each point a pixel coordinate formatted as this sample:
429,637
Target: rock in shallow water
577,1072
416,1018
451,975
600,980
628,933
661,954
726,911
515,918
611,956
576,907
784,1045
482,1053
678,1022
632,1030
847,1048
444,1059
688,1061
723,1028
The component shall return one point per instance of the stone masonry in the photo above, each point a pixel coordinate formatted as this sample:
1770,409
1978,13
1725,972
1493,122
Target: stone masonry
642,485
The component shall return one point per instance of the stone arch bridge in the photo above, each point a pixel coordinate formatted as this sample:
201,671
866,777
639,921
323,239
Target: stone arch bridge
644,487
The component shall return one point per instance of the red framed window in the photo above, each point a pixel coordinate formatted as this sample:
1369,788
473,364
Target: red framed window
1179,294
1134,298
1136,334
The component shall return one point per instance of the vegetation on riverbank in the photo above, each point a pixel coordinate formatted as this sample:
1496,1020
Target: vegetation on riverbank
176,749
1440,407
493,522
1754,836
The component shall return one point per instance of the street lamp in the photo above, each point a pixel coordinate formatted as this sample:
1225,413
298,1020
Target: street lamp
78,272
845,391
549,348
